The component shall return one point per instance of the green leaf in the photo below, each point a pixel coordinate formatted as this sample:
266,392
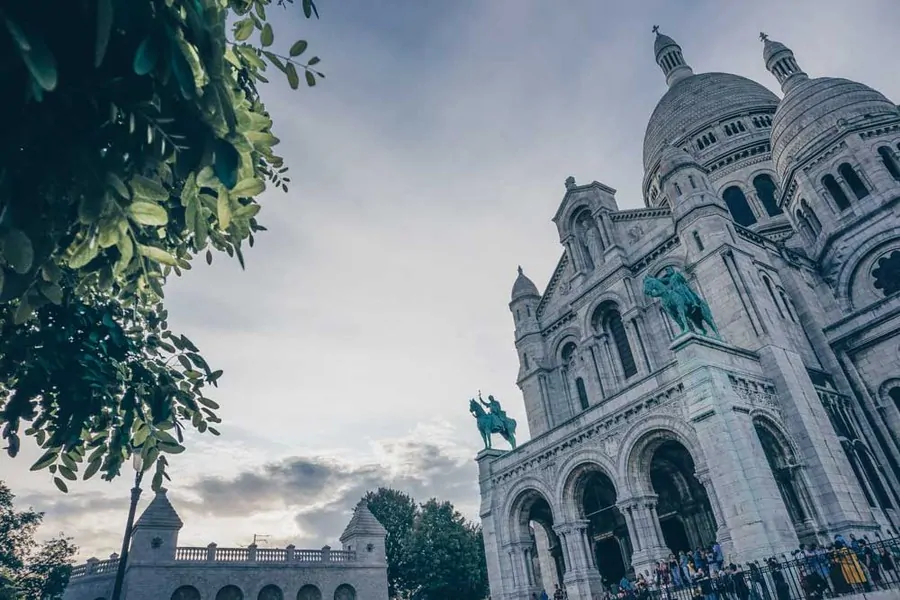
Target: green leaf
115,183
247,188
267,36
314,61
67,473
299,47
126,254
157,254
17,251
36,56
85,252
170,448
108,235
140,436
246,212
307,8
91,207
147,213
293,78
46,460
243,29
310,79
226,163
223,208
61,485
92,468
23,311
208,403
146,57
104,28
52,292
149,189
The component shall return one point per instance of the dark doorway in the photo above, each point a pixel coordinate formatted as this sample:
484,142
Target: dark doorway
607,525
674,534
608,555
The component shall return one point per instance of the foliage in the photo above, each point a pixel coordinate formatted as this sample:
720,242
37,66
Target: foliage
397,512
29,569
433,552
134,140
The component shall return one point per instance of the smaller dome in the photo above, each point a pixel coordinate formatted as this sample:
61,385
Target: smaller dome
771,48
662,42
523,287
814,110
674,158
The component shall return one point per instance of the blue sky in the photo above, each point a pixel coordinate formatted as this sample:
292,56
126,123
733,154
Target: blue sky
425,167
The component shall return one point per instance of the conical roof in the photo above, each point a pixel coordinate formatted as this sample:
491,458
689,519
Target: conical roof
160,514
523,287
363,523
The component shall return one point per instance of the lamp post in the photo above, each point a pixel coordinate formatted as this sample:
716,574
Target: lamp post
138,464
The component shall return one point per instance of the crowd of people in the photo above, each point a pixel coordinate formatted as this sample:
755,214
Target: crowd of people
813,572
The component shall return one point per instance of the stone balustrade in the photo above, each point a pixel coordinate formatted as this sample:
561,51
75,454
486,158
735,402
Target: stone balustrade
214,554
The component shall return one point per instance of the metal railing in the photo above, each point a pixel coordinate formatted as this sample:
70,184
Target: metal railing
832,573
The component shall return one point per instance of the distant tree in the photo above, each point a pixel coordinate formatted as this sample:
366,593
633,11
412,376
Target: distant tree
29,570
397,512
134,139
446,555
433,552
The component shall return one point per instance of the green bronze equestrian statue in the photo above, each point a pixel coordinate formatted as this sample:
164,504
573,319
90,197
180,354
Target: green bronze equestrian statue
681,303
492,422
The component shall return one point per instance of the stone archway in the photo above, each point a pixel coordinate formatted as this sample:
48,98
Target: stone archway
537,544
683,507
610,543
785,468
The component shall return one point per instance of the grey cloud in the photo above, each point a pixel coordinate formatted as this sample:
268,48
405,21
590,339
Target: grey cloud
323,491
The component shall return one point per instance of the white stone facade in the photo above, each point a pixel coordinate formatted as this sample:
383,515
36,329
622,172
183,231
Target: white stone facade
157,569
784,215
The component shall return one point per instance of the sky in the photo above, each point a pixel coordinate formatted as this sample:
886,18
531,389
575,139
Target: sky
425,168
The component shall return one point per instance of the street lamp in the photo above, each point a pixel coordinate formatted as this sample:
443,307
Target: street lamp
138,463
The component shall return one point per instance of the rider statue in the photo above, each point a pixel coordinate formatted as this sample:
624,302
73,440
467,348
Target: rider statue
495,409
681,302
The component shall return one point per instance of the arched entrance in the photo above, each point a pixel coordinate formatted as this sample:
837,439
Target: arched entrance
685,515
607,530
784,467
533,522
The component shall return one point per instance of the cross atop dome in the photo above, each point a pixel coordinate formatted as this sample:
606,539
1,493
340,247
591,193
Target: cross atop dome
669,58
781,63
763,36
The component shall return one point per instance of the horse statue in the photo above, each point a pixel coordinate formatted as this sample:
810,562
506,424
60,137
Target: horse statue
493,422
681,303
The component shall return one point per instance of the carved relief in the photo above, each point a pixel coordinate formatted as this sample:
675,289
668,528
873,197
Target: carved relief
634,234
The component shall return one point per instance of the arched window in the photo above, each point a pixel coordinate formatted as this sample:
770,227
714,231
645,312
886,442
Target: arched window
518,315
616,330
811,215
894,393
698,241
525,361
582,393
737,204
528,310
230,592
890,163
693,183
309,592
772,295
345,592
765,190
740,125
270,592
868,465
852,178
787,304
186,592
677,190
836,191
804,225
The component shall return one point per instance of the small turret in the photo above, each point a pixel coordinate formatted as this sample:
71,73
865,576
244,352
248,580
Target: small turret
781,63
669,58
523,304
365,536
156,532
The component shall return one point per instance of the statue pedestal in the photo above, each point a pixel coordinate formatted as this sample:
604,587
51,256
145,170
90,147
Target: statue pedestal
729,460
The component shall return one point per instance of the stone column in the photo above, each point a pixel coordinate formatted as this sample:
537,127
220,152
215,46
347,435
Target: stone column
723,535
637,346
582,579
653,547
635,535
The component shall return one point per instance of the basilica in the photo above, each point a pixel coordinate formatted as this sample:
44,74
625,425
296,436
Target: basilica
780,425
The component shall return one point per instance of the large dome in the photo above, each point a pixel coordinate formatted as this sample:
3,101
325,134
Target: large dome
700,100
815,109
